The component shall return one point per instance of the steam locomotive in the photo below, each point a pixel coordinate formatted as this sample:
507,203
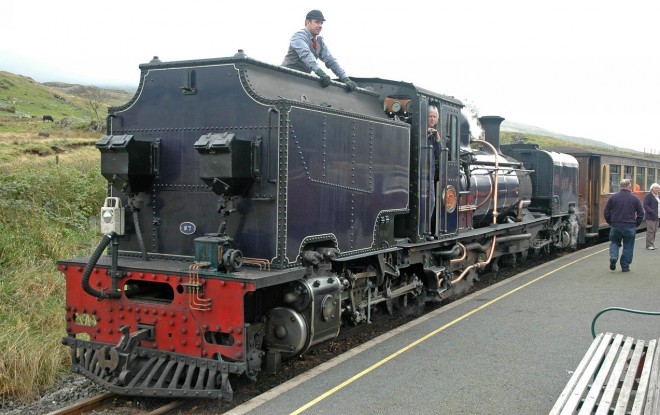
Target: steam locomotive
252,214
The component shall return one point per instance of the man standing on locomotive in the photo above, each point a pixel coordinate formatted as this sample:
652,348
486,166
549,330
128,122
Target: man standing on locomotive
624,213
306,46
651,215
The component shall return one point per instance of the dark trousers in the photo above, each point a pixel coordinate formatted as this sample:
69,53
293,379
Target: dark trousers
625,237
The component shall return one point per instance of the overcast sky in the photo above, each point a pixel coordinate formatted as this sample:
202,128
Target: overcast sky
585,68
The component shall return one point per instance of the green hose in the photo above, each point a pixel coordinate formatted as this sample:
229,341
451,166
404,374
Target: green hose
627,310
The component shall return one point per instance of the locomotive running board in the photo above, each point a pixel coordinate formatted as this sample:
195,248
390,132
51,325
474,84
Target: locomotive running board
156,373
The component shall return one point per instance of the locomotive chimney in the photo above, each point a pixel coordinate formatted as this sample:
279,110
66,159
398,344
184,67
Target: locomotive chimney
491,126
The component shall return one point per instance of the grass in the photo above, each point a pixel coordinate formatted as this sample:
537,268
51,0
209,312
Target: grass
51,191
18,148
48,204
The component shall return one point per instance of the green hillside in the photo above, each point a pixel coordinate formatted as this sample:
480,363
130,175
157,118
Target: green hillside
24,102
111,96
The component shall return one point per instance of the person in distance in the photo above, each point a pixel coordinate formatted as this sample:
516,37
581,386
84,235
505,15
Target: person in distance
652,214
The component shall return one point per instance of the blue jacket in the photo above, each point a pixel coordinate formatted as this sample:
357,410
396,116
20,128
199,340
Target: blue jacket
624,210
650,207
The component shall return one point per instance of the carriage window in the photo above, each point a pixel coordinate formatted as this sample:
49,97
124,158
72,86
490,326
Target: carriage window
651,177
615,178
628,172
640,180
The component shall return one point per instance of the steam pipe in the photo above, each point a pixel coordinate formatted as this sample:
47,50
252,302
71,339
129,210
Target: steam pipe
462,258
476,246
511,238
482,264
478,265
452,252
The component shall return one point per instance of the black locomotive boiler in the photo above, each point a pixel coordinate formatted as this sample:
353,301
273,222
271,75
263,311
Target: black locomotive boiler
252,214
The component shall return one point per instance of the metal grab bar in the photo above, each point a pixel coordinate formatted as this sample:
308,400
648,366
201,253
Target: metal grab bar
627,310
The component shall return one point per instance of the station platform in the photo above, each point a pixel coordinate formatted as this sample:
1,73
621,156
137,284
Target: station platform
508,349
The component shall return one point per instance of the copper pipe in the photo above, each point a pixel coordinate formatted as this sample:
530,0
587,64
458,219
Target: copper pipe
462,258
482,264
478,265
488,196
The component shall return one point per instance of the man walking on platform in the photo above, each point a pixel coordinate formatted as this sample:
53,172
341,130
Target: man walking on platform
624,213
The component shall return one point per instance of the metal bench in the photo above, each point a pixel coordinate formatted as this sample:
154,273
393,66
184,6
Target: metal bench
617,375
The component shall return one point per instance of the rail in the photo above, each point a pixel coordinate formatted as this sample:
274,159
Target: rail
105,401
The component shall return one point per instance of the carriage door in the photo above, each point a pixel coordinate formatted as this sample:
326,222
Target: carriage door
448,183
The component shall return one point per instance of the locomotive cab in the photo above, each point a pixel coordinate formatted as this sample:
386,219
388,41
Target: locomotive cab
434,160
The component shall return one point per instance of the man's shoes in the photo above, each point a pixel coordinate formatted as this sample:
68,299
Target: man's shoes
625,269
612,264
651,248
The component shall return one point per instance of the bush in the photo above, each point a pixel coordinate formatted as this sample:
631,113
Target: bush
45,214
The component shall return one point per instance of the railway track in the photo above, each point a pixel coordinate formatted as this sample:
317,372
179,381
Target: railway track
111,403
